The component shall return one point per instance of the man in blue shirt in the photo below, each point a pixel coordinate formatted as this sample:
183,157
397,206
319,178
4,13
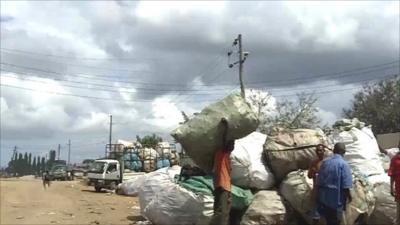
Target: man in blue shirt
333,186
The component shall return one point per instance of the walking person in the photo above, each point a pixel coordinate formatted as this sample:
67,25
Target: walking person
222,179
46,179
334,182
313,174
394,173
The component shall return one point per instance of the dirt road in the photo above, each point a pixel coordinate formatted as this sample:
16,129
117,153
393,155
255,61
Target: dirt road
65,202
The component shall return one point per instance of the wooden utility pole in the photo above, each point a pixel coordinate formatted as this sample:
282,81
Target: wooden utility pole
59,148
109,140
241,61
69,151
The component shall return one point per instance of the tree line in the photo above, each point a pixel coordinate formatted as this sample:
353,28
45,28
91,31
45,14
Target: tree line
25,164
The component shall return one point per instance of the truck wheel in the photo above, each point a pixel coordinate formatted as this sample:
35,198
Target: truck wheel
97,188
113,185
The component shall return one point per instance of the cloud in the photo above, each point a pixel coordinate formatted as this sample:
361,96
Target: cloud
152,60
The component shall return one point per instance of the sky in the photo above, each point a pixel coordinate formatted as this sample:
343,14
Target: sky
67,66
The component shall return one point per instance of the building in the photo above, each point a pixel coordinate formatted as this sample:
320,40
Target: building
391,140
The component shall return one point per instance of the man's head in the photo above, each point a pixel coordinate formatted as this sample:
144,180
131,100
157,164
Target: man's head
230,145
339,148
320,150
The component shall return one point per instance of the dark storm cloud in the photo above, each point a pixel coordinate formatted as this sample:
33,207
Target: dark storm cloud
169,46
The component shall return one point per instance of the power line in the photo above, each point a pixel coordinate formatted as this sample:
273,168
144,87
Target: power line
333,85
323,92
83,96
335,74
17,51
95,77
98,68
108,90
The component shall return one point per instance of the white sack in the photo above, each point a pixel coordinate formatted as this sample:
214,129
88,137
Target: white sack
131,186
175,205
385,207
266,208
362,151
248,169
392,152
155,182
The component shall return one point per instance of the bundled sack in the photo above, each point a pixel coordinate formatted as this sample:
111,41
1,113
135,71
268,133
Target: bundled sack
148,153
161,163
174,158
155,182
385,207
175,205
241,198
248,169
201,136
266,208
131,186
297,190
149,165
292,149
362,150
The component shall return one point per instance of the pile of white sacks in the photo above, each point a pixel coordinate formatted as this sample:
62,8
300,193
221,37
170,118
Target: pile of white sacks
163,201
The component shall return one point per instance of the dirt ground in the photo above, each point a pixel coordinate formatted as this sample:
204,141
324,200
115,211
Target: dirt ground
65,202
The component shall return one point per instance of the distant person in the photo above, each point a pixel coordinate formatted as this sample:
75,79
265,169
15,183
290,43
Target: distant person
333,186
394,173
222,179
313,174
46,179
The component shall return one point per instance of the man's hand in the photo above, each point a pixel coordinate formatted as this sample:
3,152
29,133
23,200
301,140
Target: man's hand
392,192
224,121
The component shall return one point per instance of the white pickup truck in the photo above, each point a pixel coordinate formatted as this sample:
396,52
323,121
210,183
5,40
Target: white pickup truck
107,173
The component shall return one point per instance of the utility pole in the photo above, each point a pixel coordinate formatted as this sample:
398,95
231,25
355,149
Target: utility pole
242,58
59,148
109,140
241,61
69,150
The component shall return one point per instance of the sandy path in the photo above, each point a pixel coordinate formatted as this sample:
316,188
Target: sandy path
65,202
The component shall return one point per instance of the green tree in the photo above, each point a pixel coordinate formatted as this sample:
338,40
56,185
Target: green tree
19,164
33,167
43,165
29,166
11,165
25,164
149,141
301,113
38,165
378,104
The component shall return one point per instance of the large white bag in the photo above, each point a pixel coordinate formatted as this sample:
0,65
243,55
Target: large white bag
175,205
201,136
155,182
385,207
362,151
131,186
266,208
248,169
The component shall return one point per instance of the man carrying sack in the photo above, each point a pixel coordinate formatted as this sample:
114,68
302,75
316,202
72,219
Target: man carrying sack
222,179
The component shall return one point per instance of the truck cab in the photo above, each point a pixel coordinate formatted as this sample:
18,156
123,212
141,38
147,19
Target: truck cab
104,173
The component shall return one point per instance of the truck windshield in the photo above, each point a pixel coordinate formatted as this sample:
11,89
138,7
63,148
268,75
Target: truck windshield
97,167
